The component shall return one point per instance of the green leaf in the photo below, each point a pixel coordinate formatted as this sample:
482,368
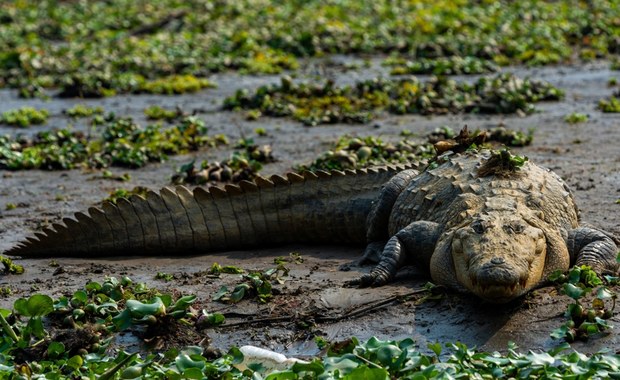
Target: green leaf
183,303
560,332
75,362
435,347
284,375
40,305
220,293
574,275
214,319
315,366
55,349
239,292
237,355
21,306
573,291
193,373
363,372
138,309
122,320
603,293
184,362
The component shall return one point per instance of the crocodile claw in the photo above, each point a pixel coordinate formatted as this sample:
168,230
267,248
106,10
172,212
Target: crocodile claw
377,277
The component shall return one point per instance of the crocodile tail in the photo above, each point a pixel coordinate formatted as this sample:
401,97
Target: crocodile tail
326,207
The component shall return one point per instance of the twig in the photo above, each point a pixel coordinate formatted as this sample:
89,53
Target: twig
352,313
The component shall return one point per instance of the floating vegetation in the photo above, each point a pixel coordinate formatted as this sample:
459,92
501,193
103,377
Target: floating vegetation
328,103
243,164
72,337
81,110
49,150
175,84
360,152
159,113
24,117
453,65
583,320
76,46
102,84
122,143
576,117
611,105
355,152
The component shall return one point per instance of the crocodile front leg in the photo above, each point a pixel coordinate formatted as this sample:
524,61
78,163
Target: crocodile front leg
589,246
379,217
413,244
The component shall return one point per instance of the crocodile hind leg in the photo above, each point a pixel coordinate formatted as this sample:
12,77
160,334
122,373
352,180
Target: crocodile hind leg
413,244
379,216
592,247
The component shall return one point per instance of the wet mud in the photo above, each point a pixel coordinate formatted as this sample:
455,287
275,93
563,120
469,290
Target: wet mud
312,300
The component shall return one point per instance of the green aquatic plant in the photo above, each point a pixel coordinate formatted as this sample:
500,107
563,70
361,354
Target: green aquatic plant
328,103
24,117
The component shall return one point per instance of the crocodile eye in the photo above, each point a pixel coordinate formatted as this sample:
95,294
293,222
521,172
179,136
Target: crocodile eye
477,227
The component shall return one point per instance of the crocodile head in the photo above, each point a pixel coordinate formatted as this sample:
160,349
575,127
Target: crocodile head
499,256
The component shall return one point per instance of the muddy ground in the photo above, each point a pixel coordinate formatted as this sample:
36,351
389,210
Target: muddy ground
586,155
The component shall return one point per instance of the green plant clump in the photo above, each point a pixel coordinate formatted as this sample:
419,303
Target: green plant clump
355,152
159,113
122,143
82,110
80,45
583,320
328,103
453,65
576,117
24,117
611,105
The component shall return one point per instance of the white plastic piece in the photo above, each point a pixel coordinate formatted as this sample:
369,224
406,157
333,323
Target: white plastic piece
272,361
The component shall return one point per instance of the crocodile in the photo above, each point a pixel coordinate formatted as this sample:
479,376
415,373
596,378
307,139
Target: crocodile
473,226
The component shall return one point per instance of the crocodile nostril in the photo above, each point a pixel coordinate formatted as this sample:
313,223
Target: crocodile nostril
497,260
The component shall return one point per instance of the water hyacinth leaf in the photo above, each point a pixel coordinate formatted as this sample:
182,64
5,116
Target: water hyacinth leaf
573,291
239,292
363,372
185,361
589,328
236,354
344,364
193,373
166,299
183,303
123,320
36,306
220,293
435,347
75,362
138,309
283,375
213,319
388,354
574,275
55,349
93,287
560,332
604,293
315,366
